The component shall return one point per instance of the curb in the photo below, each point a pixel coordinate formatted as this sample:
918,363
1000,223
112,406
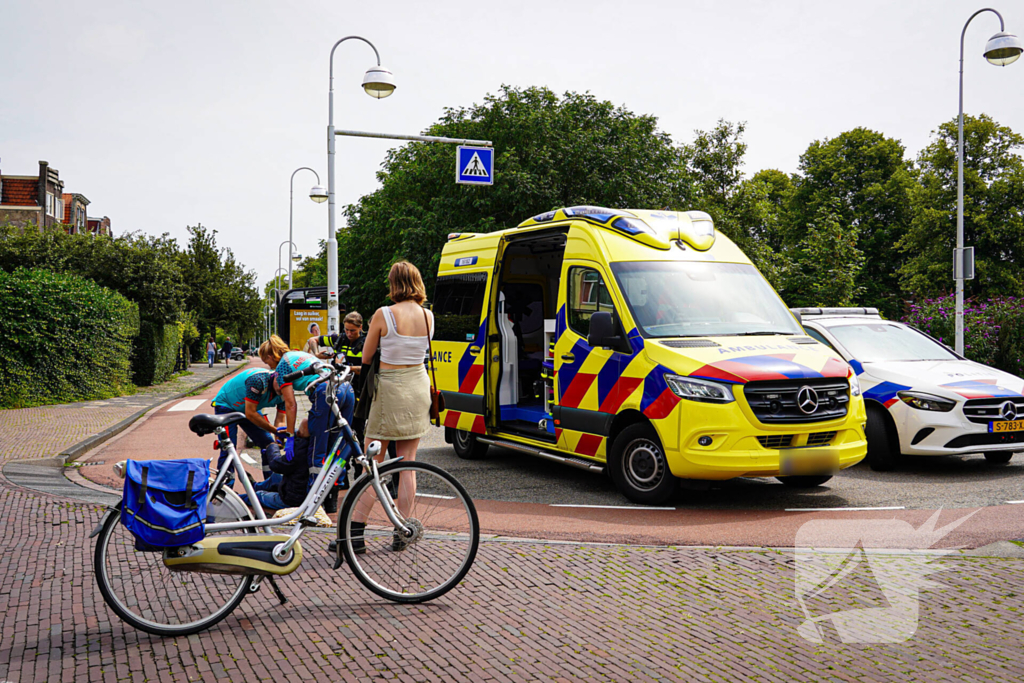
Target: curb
86,445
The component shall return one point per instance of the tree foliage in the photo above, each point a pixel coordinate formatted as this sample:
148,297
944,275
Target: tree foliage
993,212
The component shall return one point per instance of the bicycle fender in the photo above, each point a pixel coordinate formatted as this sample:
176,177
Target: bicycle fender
103,519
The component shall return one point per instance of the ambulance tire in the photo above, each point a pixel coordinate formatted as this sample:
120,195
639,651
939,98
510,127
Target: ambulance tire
883,445
466,445
639,468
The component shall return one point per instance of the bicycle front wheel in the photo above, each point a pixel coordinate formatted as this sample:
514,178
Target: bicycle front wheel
435,559
146,594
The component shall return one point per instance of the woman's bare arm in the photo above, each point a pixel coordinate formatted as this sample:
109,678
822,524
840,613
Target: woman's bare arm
373,336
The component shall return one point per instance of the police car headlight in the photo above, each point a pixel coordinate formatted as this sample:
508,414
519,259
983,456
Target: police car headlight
922,401
699,389
854,385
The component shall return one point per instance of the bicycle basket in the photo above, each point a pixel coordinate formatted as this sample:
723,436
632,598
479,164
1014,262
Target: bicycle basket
164,502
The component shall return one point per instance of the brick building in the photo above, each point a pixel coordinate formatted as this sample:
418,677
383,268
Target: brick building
74,212
40,200
32,200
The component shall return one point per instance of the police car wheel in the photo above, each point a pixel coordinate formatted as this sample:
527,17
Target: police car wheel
639,468
998,457
882,455
466,445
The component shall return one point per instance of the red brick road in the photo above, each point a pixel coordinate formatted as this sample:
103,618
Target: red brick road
527,611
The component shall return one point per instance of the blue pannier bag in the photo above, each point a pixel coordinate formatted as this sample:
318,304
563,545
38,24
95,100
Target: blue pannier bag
164,502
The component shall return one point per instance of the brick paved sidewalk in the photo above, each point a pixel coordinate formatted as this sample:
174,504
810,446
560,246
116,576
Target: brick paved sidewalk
49,430
526,611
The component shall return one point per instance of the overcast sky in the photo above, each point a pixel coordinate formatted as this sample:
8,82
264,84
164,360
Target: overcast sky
175,113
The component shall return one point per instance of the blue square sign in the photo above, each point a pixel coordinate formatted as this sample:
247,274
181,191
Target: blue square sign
474,165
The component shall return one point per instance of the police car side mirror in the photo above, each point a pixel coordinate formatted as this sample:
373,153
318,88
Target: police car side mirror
603,331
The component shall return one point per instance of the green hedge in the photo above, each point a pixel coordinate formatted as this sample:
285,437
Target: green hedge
62,338
155,352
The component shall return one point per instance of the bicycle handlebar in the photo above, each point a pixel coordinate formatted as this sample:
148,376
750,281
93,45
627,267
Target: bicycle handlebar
292,376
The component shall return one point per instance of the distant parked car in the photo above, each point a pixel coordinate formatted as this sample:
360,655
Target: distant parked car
922,398
237,353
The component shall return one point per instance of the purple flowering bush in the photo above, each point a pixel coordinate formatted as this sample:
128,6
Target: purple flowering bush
993,329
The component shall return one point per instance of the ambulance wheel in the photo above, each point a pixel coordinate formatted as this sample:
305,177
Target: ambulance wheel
883,445
466,445
998,457
639,468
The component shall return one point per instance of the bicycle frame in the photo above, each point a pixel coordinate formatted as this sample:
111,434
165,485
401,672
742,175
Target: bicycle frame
329,473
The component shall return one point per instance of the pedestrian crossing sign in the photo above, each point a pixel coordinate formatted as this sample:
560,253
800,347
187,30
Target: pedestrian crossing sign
474,165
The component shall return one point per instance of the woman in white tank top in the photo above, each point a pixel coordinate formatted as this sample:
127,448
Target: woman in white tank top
400,411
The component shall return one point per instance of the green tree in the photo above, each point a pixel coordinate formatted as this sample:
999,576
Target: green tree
829,262
993,212
550,152
220,291
861,180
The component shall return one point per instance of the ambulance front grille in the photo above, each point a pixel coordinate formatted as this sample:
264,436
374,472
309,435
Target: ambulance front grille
775,401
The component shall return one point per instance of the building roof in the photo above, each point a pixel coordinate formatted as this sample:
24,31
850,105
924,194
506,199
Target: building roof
20,191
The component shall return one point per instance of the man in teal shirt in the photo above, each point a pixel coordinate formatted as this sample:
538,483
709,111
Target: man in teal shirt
252,391
293,361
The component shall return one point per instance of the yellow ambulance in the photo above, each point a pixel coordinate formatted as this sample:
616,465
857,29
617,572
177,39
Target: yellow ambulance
641,342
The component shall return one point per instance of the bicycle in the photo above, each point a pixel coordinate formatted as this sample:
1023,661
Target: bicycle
181,591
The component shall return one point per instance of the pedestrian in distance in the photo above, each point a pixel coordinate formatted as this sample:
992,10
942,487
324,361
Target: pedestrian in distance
226,350
211,351
400,404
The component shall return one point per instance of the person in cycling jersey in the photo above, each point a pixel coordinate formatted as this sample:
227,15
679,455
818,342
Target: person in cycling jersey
252,391
290,362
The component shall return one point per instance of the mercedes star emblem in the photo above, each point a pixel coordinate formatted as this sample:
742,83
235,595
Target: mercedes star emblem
807,400
1008,411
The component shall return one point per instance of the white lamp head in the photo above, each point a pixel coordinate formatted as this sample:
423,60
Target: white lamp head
378,82
1003,48
318,194
297,257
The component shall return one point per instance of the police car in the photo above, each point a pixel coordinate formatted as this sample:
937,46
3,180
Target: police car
922,398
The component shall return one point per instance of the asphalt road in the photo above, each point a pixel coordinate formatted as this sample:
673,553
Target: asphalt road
923,483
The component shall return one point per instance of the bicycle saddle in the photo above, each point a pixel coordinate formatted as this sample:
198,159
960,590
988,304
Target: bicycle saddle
203,424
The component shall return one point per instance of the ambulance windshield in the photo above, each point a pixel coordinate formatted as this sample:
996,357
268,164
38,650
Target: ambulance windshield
694,299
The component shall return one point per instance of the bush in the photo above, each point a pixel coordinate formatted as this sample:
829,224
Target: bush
62,338
155,353
993,329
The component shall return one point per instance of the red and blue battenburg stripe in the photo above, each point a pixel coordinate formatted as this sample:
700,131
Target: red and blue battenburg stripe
470,371
980,388
777,366
885,392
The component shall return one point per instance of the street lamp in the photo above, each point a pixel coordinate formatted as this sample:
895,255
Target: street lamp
317,194
378,82
1002,49
294,256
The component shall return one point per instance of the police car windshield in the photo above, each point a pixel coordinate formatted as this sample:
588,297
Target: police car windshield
693,299
879,342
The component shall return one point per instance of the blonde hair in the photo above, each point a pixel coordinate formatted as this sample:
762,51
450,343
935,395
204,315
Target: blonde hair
406,283
353,318
272,350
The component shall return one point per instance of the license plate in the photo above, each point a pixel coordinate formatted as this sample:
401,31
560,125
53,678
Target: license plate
808,461
1006,426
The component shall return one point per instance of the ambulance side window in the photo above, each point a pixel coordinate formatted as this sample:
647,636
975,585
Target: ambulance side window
587,294
458,302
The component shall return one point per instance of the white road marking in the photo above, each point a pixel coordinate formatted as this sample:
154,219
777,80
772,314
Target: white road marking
895,507
189,405
608,507
248,459
1015,502
431,495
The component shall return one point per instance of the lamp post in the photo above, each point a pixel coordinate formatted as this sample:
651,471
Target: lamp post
378,82
1002,49
293,256
317,194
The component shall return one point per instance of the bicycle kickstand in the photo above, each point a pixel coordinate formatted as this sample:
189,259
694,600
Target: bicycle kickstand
277,590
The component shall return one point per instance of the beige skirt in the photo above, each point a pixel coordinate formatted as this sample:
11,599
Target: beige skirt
401,405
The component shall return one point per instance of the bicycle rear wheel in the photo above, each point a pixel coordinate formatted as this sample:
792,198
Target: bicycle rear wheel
431,563
144,593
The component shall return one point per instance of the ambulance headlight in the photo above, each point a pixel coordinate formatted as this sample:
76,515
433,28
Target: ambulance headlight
699,389
854,385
